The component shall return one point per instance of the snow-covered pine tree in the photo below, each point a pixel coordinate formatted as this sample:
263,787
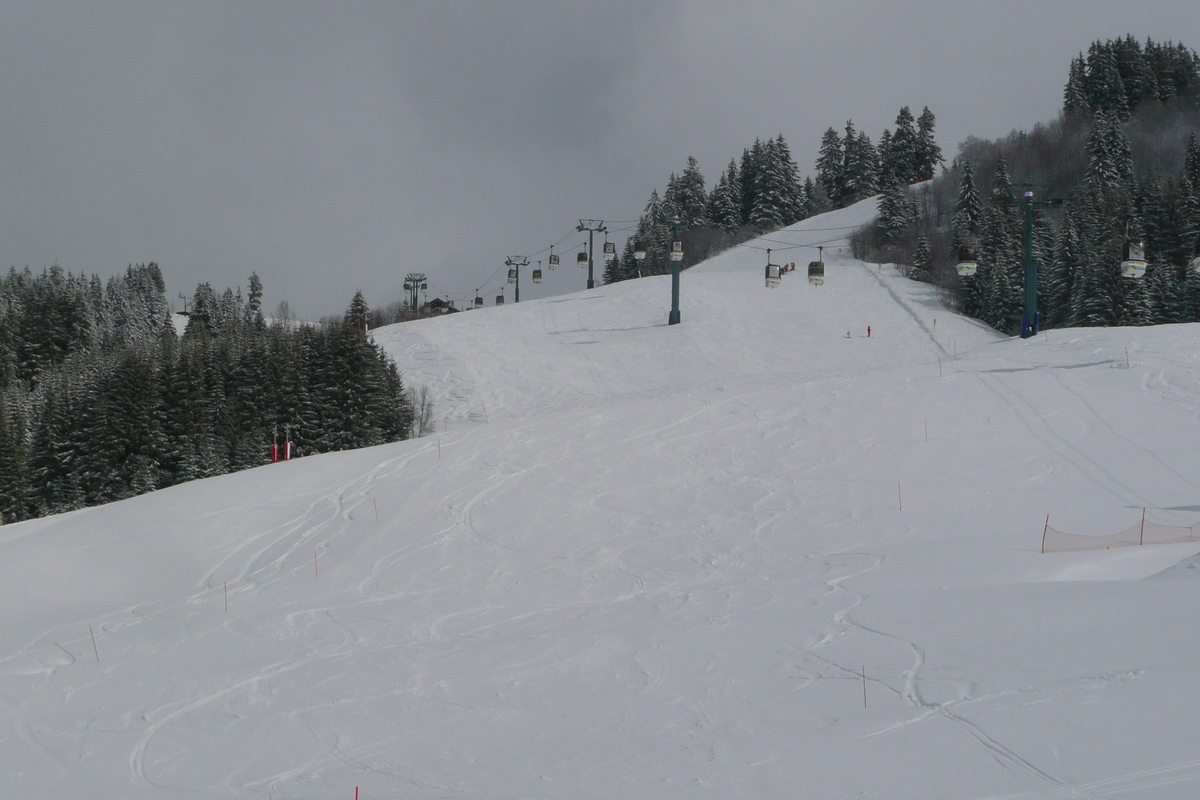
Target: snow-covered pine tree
1001,253
860,167
830,160
1056,280
894,217
772,207
1075,99
748,172
815,201
613,271
968,210
887,171
1189,216
14,484
1043,256
725,202
922,267
790,181
357,314
691,198
929,153
869,185
904,149
671,199
1191,162
1106,90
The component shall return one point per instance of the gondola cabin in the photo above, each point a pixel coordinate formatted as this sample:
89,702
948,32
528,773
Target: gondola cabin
772,275
581,259
499,299
553,261
478,301
610,251
537,276
512,275
967,263
816,273
1133,261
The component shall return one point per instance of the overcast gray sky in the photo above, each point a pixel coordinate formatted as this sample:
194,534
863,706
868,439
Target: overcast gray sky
336,146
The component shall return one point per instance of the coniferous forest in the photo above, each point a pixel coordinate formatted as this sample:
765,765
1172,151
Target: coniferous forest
762,191
1124,160
101,399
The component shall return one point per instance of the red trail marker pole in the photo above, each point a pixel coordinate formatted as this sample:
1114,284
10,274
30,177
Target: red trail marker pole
97,649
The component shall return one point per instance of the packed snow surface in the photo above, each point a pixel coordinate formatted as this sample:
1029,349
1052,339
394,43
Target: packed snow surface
754,555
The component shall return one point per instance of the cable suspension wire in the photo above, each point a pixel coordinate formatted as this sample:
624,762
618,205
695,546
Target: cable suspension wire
811,246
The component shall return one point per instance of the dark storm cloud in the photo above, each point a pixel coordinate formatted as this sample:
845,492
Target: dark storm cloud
337,146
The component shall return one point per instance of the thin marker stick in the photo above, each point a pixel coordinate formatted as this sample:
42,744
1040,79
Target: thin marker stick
316,571
864,685
376,504
97,649
226,597
899,496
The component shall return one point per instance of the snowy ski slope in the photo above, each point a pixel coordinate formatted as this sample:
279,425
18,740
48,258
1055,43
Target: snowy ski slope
641,561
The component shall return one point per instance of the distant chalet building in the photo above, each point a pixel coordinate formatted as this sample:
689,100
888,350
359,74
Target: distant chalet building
439,306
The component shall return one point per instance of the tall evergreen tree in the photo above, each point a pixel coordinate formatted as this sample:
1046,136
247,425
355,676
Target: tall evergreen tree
751,159
357,314
725,202
929,153
691,199
903,151
1074,96
968,211
894,213
860,167
830,160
